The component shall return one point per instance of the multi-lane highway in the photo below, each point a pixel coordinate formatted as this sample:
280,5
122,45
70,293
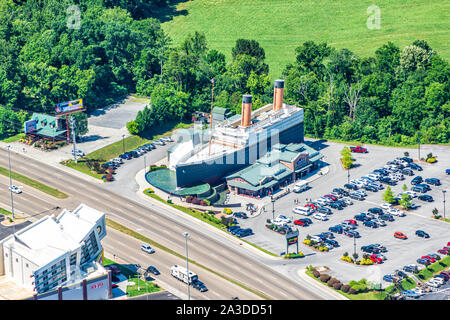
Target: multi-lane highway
205,247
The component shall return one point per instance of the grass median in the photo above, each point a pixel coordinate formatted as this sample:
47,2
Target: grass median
115,149
115,225
33,183
205,217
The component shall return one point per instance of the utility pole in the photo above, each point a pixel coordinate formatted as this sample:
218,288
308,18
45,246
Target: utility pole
72,122
10,181
443,192
186,235
273,207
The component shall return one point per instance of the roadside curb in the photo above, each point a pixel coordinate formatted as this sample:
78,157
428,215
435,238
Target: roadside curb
140,194
302,274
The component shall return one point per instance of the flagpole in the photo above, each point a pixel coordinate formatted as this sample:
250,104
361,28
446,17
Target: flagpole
211,120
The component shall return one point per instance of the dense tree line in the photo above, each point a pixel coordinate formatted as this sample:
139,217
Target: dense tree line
52,52
396,96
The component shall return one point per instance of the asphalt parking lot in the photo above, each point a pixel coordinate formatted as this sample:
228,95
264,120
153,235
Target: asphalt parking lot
400,252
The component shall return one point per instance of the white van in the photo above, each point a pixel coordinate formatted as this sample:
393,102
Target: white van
301,186
306,211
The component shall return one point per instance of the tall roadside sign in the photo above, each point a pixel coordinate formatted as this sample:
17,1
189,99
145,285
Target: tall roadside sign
69,107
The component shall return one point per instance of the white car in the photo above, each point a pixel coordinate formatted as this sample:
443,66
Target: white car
361,192
303,210
316,239
79,153
283,218
418,291
117,160
379,222
439,280
347,201
386,205
147,248
433,284
279,222
320,216
412,194
322,202
166,139
374,176
396,212
15,189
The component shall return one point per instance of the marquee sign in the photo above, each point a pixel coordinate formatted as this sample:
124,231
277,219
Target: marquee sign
30,126
69,107
291,238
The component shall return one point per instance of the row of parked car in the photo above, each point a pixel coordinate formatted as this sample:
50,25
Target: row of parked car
239,232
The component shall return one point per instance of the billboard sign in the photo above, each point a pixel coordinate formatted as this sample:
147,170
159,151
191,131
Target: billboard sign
292,237
30,126
69,107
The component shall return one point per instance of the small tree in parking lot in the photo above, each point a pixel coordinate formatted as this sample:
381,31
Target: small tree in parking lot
405,201
355,256
406,153
405,187
388,195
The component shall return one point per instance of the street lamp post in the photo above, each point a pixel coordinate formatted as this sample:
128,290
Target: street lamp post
123,143
145,165
354,245
348,175
186,235
273,207
443,192
10,181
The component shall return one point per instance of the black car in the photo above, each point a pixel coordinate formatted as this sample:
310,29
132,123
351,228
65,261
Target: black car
356,196
370,188
326,235
406,159
422,234
425,197
376,210
334,243
361,217
324,210
410,268
340,191
336,229
153,270
387,217
197,284
433,181
416,180
242,215
407,172
233,229
134,154
335,205
341,203
423,185
351,186
306,220
370,224
388,181
415,166
419,189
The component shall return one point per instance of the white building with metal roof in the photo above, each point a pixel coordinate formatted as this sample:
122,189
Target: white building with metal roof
54,251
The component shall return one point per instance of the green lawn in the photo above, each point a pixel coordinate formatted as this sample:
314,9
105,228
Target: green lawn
370,295
9,139
33,183
282,25
132,291
113,224
115,149
5,212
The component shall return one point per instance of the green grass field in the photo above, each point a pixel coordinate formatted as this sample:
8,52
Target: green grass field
33,183
282,25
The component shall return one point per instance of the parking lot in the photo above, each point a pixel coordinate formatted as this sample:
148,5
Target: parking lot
400,252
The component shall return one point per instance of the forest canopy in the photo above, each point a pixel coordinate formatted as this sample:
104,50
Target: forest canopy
51,51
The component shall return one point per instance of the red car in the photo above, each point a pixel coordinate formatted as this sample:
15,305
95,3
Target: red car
330,196
376,259
358,149
447,273
351,221
300,223
432,260
114,269
400,235
311,205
